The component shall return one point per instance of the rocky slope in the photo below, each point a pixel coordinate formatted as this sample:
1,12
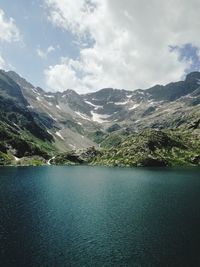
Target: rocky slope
153,148
38,123
22,133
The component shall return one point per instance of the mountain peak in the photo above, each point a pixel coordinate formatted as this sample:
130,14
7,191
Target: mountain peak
193,76
69,92
18,79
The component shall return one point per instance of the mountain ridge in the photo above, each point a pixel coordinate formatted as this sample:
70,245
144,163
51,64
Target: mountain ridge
71,121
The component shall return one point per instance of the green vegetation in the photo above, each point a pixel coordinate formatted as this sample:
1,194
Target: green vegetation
112,141
129,138
22,144
68,158
76,157
5,159
147,148
31,161
152,148
97,136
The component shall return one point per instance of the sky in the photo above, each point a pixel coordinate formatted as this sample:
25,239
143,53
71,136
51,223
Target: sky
87,45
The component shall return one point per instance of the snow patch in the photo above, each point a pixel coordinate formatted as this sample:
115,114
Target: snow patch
82,115
97,107
29,106
35,92
151,102
89,103
134,106
44,105
16,158
140,92
49,96
59,134
93,105
58,107
49,161
52,117
16,125
49,132
38,99
72,146
100,118
121,103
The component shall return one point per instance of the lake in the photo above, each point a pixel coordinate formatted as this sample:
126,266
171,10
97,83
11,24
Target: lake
96,216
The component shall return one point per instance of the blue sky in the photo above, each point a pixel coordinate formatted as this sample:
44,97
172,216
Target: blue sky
87,45
31,19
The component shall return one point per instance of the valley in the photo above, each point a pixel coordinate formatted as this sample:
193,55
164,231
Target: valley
114,127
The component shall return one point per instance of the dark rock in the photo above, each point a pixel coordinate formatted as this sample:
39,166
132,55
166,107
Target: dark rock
113,128
196,160
153,162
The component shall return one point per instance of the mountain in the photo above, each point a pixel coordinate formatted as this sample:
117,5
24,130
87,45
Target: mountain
150,147
64,121
158,107
20,130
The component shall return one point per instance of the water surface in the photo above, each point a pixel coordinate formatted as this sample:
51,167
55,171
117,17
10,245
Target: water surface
94,216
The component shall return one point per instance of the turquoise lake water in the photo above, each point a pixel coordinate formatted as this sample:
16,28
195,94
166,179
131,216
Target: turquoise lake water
96,216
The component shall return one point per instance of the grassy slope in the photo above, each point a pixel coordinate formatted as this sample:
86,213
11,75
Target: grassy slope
147,148
22,144
151,148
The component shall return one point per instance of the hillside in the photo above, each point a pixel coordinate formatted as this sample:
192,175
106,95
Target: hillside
22,133
40,124
152,148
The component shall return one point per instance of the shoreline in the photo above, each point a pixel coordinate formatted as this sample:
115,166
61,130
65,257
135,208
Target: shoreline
101,165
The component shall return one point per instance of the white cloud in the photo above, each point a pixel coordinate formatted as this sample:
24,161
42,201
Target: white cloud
2,63
198,53
131,41
43,54
8,33
62,76
8,30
